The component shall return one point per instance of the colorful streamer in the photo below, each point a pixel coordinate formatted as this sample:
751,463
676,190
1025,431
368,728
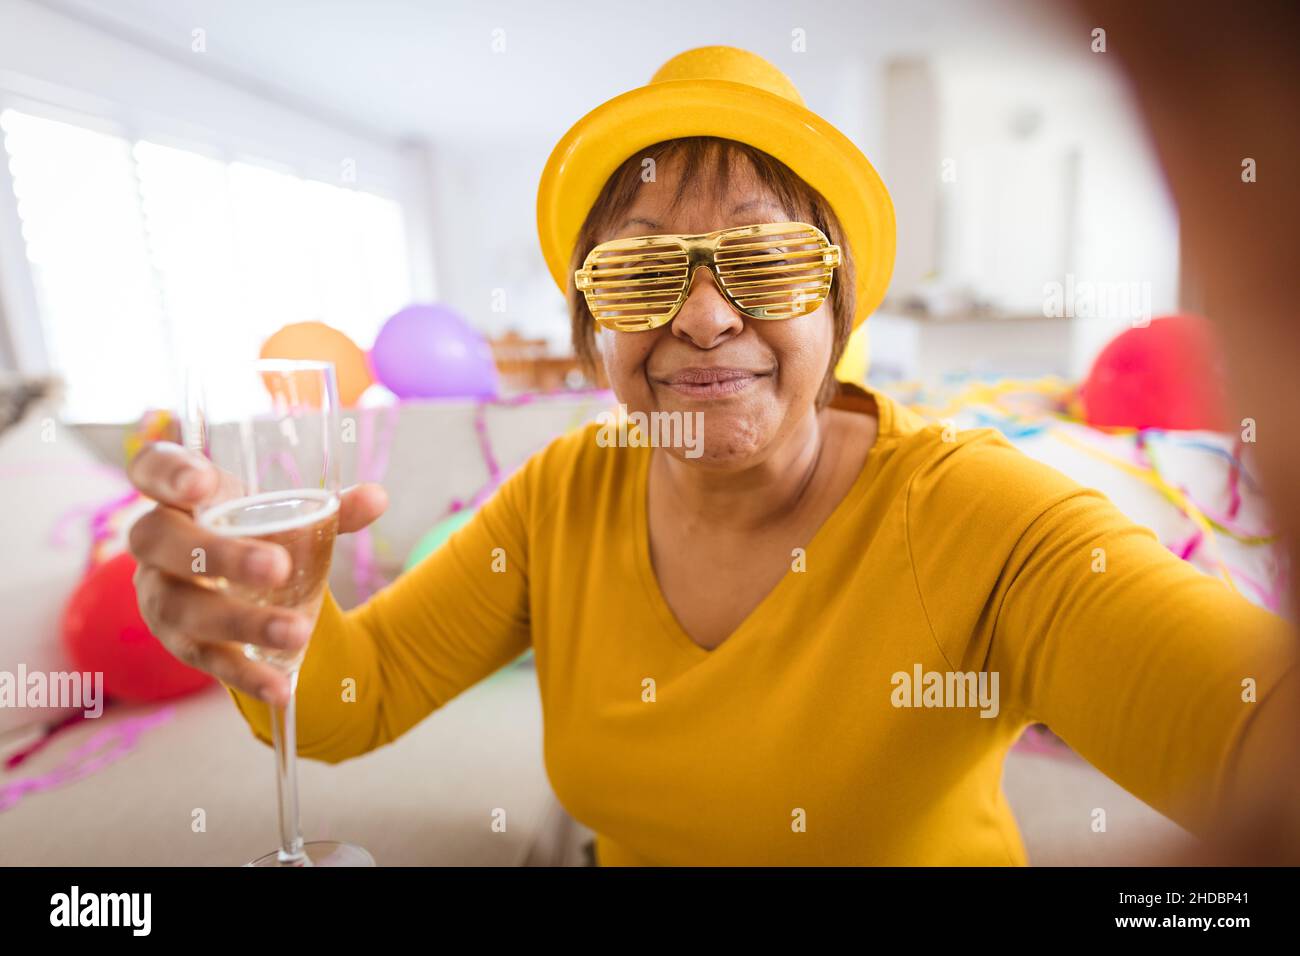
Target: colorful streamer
1057,412
372,463
106,747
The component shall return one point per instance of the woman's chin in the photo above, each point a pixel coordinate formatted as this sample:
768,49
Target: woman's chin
717,433
725,439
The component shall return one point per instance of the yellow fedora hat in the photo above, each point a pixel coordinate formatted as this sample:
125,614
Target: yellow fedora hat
733,94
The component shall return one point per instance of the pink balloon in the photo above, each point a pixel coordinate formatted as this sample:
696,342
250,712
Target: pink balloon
430,351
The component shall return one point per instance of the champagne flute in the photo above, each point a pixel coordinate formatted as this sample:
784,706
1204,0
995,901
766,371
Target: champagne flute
271,428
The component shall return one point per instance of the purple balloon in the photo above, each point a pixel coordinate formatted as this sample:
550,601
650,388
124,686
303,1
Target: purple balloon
430,351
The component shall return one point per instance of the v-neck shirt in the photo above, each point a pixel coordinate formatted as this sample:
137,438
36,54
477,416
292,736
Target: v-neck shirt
862,712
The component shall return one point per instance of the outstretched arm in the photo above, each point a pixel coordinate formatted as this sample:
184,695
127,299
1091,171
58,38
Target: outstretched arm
1162,677
372,673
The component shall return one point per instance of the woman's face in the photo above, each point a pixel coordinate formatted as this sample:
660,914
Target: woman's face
753,380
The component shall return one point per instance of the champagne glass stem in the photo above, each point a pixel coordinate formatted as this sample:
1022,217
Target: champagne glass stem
284,732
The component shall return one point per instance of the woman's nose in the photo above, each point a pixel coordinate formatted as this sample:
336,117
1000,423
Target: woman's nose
706,319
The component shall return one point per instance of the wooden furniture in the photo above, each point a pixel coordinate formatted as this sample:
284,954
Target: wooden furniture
528,365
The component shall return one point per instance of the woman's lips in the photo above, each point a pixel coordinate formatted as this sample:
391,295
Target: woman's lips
711,382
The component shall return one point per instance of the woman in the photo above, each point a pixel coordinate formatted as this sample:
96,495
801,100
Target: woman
810,640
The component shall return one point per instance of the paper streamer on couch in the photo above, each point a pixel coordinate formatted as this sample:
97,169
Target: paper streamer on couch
106,747
1054,410
373,447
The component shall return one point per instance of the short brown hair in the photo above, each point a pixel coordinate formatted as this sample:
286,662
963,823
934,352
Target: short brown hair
700,154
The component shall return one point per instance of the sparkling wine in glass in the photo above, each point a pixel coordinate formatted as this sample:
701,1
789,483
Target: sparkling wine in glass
271,427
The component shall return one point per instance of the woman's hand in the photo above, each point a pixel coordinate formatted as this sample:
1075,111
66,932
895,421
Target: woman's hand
201,625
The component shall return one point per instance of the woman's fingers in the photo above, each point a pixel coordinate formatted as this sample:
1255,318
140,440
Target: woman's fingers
178,561
172,475
190,620
227,663
176,476
360,505
178,606
172,542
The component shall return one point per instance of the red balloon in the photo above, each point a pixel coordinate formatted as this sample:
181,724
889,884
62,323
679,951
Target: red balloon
1168,374
103,631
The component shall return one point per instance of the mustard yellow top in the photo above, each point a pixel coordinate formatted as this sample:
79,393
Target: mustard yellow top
789,743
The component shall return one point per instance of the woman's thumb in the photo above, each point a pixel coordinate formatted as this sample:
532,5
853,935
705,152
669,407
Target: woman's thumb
359,505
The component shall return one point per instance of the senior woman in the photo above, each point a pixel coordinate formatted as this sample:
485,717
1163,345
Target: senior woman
810,640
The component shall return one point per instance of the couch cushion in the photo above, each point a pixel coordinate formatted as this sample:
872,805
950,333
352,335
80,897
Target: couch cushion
50,483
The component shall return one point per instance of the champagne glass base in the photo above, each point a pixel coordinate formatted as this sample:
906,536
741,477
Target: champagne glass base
322,853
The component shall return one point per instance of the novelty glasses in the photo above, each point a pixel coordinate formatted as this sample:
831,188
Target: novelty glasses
776,270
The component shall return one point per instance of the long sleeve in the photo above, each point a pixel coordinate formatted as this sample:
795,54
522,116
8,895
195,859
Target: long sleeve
1157,674
372,673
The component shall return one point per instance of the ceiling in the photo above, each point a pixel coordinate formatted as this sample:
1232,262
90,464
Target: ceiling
427,71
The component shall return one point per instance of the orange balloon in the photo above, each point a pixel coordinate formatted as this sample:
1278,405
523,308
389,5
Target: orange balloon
321,343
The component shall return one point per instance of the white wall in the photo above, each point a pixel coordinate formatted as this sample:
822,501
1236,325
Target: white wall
1054,177
911,167
490,266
